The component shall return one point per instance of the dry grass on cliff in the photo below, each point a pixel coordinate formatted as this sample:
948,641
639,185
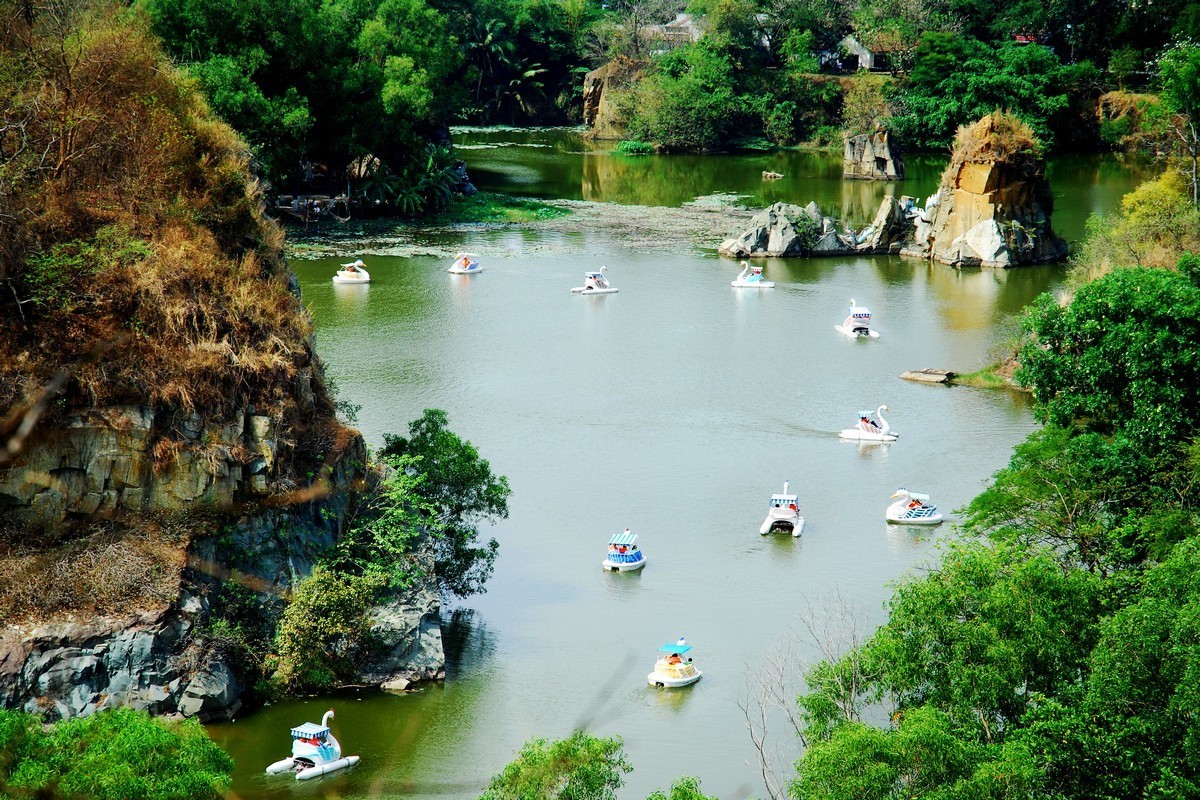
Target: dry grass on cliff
1000,137
113,571
134,254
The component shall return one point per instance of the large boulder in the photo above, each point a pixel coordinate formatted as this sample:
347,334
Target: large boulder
873,157
993,206
778,231
601,114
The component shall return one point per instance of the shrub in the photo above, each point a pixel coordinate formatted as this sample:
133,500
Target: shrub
324,635
112,755
630,147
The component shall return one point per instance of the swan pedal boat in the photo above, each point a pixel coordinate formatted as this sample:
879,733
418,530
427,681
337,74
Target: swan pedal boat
595,283
912,508
751,278
315,752
353,272
866,430
674,668
465,264
623,553
857,324
783,514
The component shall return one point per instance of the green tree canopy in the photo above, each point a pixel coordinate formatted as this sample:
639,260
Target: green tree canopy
580,767
462,491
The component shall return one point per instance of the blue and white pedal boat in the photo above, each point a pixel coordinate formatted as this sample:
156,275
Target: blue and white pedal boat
315,752
623,553
912,508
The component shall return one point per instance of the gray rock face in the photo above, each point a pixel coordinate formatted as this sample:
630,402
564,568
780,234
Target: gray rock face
409,632
104,462
873,157
160,661
147,661
773,233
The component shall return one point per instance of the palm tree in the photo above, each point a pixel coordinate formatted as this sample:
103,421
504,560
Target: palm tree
522,90
489,49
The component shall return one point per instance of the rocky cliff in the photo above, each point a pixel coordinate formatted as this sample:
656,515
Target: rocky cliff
872,157
602,113
993,204
166,434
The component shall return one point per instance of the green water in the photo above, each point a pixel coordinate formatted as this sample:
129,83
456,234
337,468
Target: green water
675,407
561,163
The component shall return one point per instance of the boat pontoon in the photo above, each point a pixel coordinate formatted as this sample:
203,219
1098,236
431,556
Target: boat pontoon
783,514
912,508
858,323
871,427
595,283
751,278
315,752
674,667
465,264
354,272
623,553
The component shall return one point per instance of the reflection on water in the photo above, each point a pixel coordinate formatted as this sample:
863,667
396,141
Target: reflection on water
579,169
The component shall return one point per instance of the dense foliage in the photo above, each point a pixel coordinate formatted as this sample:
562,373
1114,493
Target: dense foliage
329,83
580,767
459,492
112,755
420,522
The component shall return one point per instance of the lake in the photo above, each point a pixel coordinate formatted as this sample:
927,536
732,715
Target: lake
675,408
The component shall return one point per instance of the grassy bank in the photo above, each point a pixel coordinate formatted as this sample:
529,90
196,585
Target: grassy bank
501,208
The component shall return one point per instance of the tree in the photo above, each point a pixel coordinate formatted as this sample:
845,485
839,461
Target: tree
1123,357
462,491
685,788
580,767
1179,69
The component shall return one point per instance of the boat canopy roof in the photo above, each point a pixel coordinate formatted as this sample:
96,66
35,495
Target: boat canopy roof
860,311
627,539
310,730
866,413
786,498
675,647
924,498
466,255
593,274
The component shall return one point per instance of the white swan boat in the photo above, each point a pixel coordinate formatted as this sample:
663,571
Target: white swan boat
751,278
858,323
623,553
595,283
783,514
315,752
871,427
354,272
465,264
912,508
674,667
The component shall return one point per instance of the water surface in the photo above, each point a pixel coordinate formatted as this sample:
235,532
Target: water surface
675,407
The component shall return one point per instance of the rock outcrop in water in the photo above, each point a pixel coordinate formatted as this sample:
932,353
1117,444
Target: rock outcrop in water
992,210
872,157
993,205
784,230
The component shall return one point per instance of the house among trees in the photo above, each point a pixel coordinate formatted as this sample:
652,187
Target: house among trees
684,29
852,55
